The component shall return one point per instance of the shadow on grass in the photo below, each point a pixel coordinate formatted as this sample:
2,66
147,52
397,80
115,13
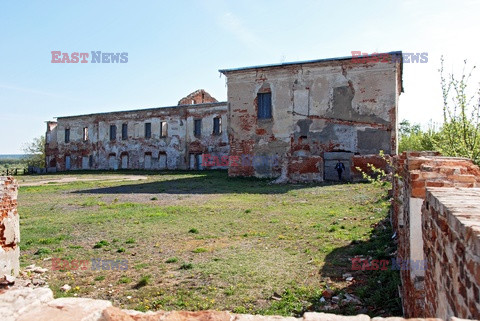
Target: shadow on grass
377,290
201,182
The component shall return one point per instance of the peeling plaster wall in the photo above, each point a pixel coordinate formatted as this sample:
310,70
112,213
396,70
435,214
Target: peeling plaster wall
316,107
137,151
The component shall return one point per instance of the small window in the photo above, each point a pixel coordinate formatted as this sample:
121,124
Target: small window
163,129
124,131
67,135
217,126
148,130
85,134
264,105
197,130
113,132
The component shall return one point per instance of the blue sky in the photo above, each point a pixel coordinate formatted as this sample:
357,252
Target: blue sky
177,47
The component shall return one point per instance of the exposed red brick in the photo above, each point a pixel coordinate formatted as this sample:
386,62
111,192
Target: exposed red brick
197,97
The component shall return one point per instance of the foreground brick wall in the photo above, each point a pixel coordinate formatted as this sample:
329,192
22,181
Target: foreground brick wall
451,225
9,227
416,173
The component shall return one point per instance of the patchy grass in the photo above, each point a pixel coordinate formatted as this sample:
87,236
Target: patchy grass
144,280
205,241
186,266
172,260
101,244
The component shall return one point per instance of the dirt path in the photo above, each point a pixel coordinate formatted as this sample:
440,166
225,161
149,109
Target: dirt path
66,180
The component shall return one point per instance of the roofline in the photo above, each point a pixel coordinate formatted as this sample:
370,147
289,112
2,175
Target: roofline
204,105
225,71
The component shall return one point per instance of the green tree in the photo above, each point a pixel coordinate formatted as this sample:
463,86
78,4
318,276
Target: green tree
460,132
412,137
36,152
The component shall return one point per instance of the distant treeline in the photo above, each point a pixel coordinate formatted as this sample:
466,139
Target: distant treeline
12,162
12,157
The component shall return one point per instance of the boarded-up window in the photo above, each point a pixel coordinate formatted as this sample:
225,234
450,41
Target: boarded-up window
148,130
85,164
148,160
67,162
162,158
196,161
197,131
112,161
85,134
217,126
113,132
163,129
264,105
124,159
124,131
67,135
301,102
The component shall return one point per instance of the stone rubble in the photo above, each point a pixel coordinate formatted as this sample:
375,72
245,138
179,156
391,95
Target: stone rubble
38,304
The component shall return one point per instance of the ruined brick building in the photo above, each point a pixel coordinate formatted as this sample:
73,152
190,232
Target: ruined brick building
156,138
311,114
298,118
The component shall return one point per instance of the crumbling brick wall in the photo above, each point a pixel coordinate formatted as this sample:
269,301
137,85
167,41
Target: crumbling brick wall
197,97
178,149
417,171
9,227
327,106
451,236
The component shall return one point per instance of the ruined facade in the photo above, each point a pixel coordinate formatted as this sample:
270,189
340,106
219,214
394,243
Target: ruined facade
157,138
294,121
308,115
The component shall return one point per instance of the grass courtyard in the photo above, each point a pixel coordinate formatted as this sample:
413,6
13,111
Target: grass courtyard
201,240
